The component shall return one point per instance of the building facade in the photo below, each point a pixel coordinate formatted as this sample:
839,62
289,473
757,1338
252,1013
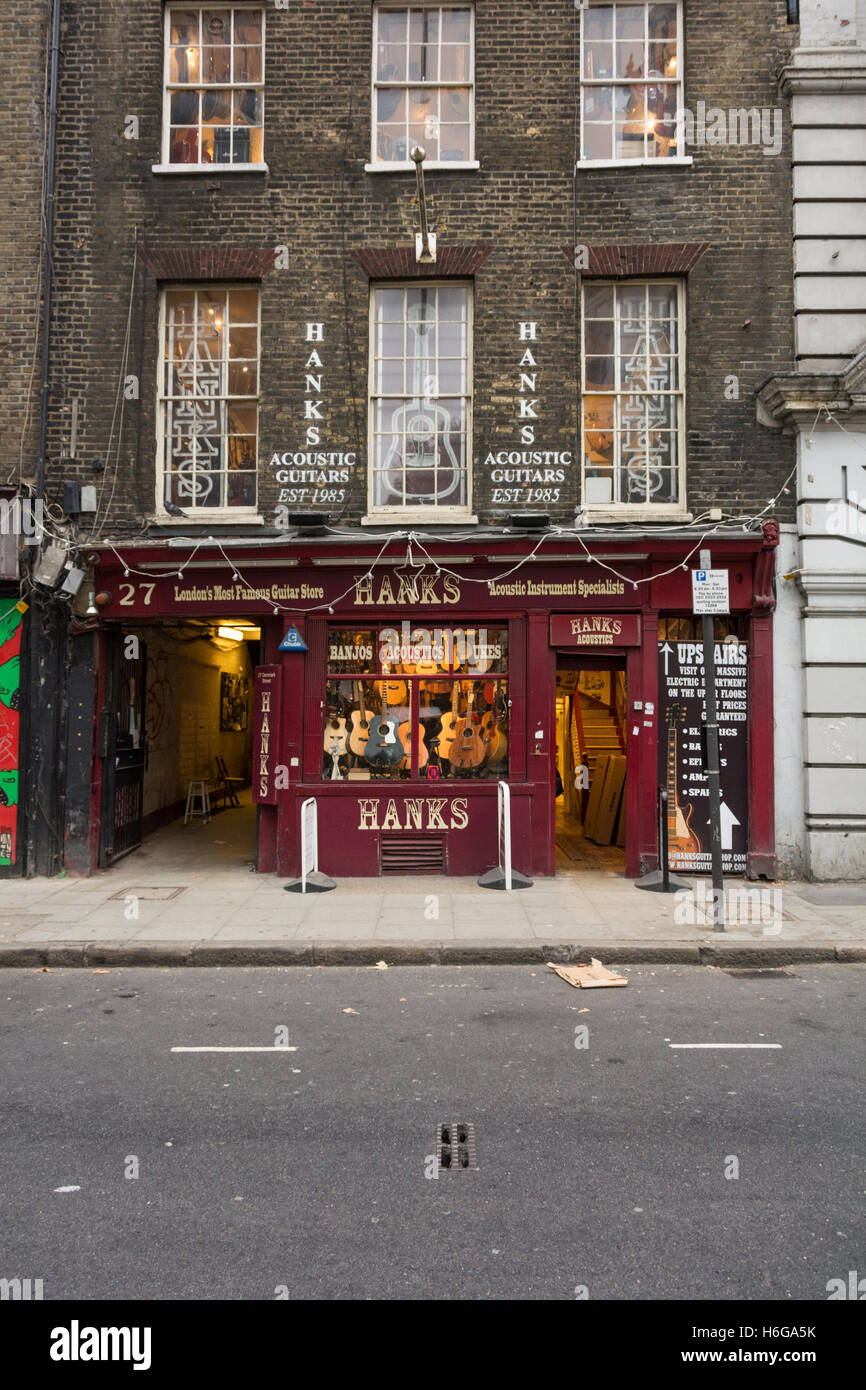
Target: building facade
388,519
822,404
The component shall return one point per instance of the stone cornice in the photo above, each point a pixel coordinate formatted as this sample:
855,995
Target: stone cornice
824,71
793,399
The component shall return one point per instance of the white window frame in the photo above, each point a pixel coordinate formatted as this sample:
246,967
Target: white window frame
380,166
203,516
166,167
643,162
638,511
431,515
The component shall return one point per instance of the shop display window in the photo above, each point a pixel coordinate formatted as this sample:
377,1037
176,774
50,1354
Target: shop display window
420,704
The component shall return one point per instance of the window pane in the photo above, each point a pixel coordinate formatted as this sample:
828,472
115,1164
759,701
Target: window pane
351,650
466,727
454,143
598,23
630,20
248,26
184,26
184,108
183,146
454,63
393,26
216,107
630,58
216,64
456,25
600,373
364,732
244,306
248,65
243,342
597,141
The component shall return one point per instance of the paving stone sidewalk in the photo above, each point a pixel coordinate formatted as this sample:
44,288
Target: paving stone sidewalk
137,914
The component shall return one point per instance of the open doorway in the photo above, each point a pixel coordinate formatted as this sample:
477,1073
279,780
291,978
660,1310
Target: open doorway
591,705
179,719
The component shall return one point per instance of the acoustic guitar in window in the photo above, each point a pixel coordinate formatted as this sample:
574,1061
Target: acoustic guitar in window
467,747
681,838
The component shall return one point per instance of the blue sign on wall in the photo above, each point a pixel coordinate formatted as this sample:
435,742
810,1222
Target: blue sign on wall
293,641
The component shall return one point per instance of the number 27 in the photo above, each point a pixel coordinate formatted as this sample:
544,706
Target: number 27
127,594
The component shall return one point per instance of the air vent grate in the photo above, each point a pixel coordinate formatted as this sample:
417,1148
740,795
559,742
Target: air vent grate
455,1147
412,854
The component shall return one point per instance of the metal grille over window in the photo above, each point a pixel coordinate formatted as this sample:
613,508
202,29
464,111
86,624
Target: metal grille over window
209,397
631,81
421,398
423,92
633,397
214,85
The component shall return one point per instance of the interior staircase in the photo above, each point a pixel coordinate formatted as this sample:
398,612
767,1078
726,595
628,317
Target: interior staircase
600,731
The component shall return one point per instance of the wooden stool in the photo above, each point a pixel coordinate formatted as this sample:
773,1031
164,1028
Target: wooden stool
197,789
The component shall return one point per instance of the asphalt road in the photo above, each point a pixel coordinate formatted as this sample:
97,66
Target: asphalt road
601,1167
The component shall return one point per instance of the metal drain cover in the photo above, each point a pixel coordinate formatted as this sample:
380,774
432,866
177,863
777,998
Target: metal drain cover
455,1147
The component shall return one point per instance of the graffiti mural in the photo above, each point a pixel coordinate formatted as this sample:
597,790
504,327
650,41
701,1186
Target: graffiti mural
10,695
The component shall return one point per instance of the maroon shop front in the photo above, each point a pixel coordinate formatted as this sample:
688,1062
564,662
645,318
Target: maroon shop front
399,693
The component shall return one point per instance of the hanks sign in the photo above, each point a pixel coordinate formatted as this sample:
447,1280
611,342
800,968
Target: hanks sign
595,630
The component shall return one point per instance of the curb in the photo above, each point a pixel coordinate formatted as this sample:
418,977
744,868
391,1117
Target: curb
83,955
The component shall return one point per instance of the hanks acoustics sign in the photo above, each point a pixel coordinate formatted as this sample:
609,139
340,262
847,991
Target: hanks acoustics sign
595,630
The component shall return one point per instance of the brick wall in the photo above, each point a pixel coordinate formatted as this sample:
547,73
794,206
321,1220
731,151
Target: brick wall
318,201
25,33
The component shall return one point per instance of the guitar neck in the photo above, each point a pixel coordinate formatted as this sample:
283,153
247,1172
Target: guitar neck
672,772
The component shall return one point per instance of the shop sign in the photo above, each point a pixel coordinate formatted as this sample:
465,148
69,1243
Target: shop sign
595,630
266,724
681,767
415,813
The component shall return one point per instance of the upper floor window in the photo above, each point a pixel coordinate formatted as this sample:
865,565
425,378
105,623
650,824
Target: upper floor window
631,82
208,397
214,85
633,395
420,399
423,67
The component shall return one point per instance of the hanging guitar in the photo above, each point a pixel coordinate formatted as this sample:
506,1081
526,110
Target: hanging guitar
404,733
360,730
383,748
411,475
468,749
492,731
449,723
681,838
336,735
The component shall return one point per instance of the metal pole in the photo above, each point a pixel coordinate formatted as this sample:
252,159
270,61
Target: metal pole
418,155
663,839
713,769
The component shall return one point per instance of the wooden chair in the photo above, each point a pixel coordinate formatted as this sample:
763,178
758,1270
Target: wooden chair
227,784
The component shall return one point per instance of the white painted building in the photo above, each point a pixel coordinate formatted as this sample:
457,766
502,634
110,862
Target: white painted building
821,585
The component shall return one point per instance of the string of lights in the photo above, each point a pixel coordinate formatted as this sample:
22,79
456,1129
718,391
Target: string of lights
414,539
